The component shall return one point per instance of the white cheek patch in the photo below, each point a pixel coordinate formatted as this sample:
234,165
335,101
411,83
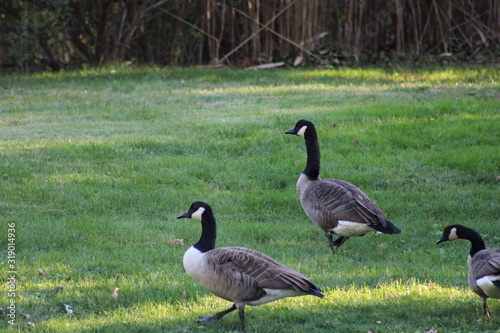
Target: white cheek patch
197,215
302,131
453,234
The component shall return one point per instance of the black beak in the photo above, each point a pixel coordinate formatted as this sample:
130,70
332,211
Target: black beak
184,215
441,240
291,131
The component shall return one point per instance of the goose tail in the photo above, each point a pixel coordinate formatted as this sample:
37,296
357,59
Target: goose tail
315,291
385,227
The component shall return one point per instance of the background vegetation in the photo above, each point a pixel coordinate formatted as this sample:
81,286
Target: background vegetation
96,164
55,34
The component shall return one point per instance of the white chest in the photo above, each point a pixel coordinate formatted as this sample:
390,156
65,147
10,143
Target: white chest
193,262
302,183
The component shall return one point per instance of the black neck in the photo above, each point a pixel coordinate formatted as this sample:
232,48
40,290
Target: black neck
477,242
208,232
312,146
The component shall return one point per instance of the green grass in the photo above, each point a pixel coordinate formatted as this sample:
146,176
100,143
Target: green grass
95,166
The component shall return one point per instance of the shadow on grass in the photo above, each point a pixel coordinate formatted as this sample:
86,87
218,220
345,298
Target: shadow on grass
349,310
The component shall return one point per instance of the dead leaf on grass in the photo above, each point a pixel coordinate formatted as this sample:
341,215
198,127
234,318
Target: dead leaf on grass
115,292
27,315
68,308
177,241
28,318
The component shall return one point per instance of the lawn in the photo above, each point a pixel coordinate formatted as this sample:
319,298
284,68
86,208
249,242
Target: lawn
95,165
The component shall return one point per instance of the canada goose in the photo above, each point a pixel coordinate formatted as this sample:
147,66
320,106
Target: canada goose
239,275
334,205
484,265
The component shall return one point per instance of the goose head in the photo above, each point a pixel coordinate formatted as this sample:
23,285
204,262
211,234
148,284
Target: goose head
300,128
457,231
196,211
451,232
202,212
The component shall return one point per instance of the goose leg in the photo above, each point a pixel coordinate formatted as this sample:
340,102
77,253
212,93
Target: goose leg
330,241
485,307
334,244
241,313
339,241
217,316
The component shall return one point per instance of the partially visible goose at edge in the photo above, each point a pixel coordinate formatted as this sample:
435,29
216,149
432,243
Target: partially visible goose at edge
484,265
334,205
239,275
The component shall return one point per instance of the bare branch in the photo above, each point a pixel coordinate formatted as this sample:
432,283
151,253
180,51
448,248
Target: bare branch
258,31
300,47
190,24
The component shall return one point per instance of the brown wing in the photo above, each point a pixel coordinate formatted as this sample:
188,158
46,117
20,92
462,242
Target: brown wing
486,262
331,200
257,269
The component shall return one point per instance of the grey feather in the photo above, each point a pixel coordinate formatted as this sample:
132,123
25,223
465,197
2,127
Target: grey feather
327,201
242,274
486,262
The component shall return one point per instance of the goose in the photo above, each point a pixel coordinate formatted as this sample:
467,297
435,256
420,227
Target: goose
334,205
236,274
484,265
